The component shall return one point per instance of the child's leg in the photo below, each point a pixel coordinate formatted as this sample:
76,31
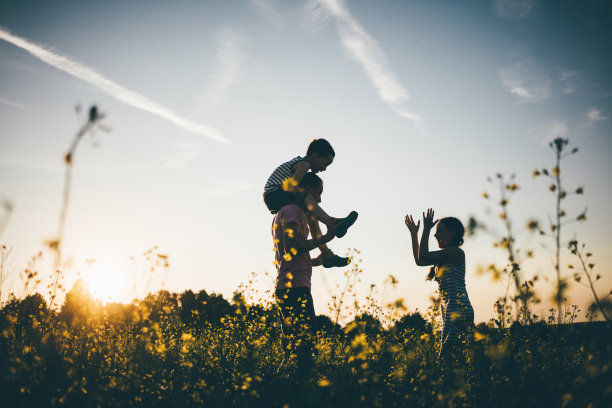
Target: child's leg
342,224
317,212
327,259
315,232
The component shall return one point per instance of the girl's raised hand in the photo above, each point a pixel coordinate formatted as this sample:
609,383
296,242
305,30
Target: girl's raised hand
428,219
412,226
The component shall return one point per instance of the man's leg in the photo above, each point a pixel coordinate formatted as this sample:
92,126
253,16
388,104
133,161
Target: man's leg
305,340
298,320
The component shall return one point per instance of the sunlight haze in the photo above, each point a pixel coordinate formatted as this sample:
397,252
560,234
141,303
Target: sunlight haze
421,100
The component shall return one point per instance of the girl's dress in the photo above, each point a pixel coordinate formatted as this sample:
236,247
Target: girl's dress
457,310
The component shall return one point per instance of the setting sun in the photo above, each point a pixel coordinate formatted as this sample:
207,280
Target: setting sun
105,282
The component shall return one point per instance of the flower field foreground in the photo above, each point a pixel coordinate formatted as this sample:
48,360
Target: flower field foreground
196,349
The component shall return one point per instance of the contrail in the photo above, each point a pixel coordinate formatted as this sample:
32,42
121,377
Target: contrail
225,72
109,87
366,51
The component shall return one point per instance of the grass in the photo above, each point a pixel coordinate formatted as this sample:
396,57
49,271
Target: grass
188,349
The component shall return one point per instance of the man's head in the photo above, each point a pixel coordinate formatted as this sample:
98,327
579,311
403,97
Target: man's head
313,185
320,154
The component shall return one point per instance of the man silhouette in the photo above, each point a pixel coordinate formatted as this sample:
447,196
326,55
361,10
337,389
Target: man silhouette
290,230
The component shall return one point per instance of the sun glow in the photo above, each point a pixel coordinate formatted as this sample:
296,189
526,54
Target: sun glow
106,282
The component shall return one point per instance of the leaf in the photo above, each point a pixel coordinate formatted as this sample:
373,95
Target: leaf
93,113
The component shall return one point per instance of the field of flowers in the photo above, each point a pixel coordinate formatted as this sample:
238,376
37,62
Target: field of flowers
198,349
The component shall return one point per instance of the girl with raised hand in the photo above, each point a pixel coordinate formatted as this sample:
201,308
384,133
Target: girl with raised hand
449,271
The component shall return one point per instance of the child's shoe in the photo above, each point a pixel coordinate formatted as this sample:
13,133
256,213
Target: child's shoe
335,260
345,223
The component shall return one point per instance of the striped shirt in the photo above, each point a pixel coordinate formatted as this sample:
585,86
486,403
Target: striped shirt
457,310
278,176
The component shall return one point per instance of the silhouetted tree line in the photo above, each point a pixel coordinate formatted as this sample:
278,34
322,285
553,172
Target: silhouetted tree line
189,308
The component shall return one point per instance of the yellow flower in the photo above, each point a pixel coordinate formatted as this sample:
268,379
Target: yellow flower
324,382
478,336
290,184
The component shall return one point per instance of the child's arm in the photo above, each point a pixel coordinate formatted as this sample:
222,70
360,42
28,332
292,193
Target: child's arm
434,257
414,234
299,170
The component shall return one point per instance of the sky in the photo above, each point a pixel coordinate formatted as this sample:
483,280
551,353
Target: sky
422,101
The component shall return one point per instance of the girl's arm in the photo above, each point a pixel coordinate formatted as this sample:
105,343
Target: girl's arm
435,257
414,234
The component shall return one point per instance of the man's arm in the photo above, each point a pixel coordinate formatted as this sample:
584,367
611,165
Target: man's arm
293,242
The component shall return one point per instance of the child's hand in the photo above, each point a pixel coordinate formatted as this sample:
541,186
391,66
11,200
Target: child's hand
428,219
412,226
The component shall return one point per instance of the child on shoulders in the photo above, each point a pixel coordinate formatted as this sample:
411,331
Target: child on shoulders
282,189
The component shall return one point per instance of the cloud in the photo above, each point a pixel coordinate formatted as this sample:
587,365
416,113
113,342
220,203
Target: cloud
181,154
582,83
594,115
109,87
513,9
546,133
527,80
14,105
365,50
267,10
566,77
226,188
225,72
